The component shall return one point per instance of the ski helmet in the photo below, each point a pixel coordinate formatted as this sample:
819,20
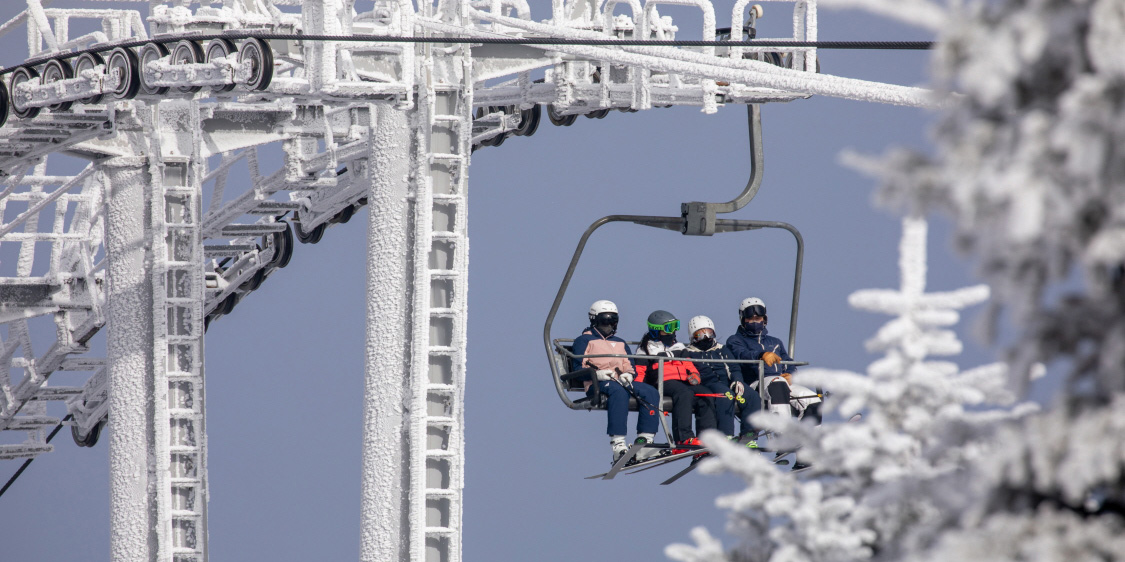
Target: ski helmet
698,323
752,306
604,313
602,306
662,321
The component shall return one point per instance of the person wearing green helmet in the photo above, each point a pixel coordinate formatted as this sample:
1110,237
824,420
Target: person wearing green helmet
681,378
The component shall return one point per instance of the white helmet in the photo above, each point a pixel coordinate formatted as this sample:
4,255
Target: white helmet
698,323
754,305
603,317
601,306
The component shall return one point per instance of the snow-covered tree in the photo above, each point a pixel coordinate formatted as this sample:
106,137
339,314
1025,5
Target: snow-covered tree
1029,164
888,483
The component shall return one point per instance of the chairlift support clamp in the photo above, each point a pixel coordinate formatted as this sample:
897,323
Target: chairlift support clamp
699,218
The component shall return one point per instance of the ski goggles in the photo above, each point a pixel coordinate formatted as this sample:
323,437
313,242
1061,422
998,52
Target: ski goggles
752,311
605,319
702,333
668,327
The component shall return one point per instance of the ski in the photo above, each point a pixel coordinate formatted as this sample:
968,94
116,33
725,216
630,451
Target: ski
694,463
620,464
661,461
648,463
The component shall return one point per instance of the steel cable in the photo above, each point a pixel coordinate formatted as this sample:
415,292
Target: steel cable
866,45
25,464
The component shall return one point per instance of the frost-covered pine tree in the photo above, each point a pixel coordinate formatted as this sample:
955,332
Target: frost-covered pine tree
1030,166
886,485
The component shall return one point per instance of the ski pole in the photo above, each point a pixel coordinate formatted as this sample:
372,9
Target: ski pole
728,396
633,393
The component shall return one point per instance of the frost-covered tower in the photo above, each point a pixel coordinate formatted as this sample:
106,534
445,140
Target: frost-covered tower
887,484
209,149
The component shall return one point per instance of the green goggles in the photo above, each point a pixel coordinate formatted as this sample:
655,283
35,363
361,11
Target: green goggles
668,327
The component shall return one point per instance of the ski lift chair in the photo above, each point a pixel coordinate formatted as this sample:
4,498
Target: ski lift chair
697,219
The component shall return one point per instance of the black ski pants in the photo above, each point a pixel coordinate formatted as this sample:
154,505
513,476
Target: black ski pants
684,403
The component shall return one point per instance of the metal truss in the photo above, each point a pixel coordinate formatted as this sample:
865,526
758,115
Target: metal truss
207,161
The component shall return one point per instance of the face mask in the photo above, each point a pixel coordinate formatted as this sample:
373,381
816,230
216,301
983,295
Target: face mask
754,327
668,339
607,329
705,343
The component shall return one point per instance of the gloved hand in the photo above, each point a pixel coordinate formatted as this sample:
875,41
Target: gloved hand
737,387
788,377
771,358
605,374
626,379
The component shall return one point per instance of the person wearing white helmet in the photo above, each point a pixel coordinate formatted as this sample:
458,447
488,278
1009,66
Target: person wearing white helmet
752,341
724,379
614,377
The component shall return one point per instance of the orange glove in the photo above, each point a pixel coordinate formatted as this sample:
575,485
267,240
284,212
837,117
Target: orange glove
771,358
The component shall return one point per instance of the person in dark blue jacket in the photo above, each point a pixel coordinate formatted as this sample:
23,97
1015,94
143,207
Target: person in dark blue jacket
722,378
614,378
752,341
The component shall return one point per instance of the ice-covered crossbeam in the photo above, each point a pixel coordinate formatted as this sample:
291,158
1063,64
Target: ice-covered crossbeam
749,73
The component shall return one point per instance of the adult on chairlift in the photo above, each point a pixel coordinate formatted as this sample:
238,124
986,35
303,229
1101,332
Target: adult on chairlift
681,378
722,379
614,378
752,341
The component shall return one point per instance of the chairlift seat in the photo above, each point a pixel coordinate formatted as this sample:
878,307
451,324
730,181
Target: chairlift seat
574,381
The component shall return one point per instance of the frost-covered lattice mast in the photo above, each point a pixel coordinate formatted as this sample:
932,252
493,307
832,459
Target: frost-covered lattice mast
178,215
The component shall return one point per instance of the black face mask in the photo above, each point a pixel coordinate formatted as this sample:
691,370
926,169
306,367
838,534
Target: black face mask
607,329
668,339
705,343
754,327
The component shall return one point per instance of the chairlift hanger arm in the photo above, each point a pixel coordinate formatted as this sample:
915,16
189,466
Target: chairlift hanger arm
698,218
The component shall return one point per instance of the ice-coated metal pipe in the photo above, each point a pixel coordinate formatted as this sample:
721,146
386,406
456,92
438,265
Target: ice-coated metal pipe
129,360
384,521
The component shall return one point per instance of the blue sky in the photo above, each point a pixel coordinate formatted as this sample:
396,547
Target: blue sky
285,370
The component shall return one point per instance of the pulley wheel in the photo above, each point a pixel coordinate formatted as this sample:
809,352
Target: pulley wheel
19,76
227,306
150,52
124,72
84,62
559,119
187,51
255,280
311,237
529,121
4,101
256,53
219,49
88,440
344,215
56,71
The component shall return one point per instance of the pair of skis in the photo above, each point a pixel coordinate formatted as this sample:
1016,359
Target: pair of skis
624,463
